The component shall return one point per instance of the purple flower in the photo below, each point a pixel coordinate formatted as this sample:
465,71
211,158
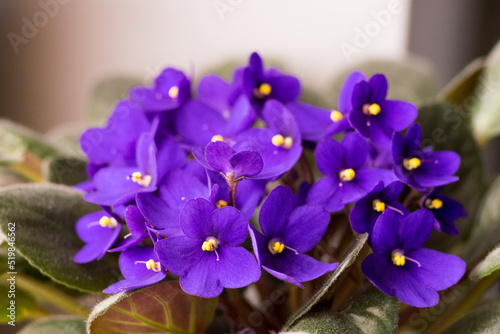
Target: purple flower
115,143
422,169
137,226
140,267
347,177
400,267
162,211
99,230
208,257
220,157
445,210
118,185
366,211
171,88
280,144
316,123
289,233
376,118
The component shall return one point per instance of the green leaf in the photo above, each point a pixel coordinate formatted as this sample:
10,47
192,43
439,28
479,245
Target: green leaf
45,217
485,232
159,308
465,85
411,80
485,118
106,95
346,261
56,325
68,170
370,312
484,319
16,140
446,130
23,303
488,265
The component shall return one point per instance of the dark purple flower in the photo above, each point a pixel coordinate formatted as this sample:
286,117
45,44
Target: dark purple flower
422,169
316,123
208,257
220,157
288,233
118,185
366,211
171,88
162,211
140,267
198,124
99,230
116,142
347,177
445,210
137,226
376,118
280,144
400,267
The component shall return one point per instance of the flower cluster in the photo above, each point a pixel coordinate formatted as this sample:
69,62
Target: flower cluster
184,174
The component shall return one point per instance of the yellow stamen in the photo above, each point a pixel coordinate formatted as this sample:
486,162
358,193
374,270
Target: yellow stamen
173,92
152,265
336,116
217,138
347,174
288,142
411,164
398,258
220,204
374,109
276,247
378,205
210,244
106,221
278,140
434,203
265,89
143,180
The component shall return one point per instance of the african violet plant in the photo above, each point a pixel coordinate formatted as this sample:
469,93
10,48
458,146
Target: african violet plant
233,206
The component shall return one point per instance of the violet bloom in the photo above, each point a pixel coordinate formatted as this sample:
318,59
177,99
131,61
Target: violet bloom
445,210
171,88
115,143
174,191
400,267
137,226
422,169
280,144
316,123
99,230
118,185
347,177
140,267
366,211
376,118
220,157
209,257
290,232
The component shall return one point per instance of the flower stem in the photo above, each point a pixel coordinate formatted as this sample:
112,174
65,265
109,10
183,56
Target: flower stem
50,295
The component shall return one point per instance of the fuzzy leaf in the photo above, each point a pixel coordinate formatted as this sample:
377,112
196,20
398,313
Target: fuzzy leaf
45,217
484,319
485,233
66,170
159,308
487,266
56,325
24,303
370,312
465,85
346,261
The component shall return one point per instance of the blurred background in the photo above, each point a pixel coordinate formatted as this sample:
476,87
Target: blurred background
54,52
